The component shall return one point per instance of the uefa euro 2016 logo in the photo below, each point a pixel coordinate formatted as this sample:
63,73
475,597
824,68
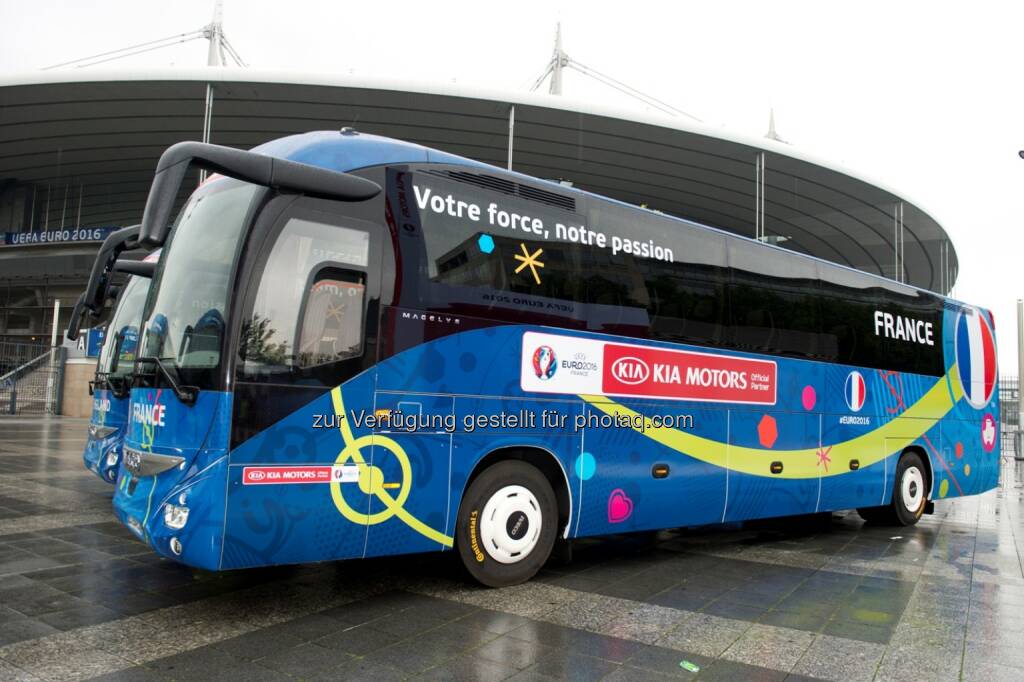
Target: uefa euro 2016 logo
544,362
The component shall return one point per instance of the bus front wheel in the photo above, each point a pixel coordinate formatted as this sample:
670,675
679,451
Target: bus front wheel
507,524
909,495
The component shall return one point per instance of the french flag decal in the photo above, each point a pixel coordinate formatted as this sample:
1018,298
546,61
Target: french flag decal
976,357
855,391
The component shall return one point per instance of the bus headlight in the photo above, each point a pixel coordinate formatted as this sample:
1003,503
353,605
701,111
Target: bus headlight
175,516
112,457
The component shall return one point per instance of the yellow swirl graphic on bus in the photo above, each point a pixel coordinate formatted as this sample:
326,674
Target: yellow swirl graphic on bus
868,448
371,479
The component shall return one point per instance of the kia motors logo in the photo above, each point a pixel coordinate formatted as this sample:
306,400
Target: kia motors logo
257,475
544,362
630,370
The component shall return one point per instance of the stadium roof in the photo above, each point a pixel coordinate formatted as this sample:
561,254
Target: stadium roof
103,131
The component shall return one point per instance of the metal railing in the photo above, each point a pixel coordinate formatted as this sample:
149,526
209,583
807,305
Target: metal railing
31,385
1009,417
14,354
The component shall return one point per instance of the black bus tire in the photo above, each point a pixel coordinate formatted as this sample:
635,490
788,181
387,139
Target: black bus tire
497,534
909,495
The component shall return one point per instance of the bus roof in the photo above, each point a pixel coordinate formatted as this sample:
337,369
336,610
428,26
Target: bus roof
349,150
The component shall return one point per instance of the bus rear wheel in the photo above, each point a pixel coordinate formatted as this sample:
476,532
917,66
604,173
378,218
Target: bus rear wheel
909,495
507,524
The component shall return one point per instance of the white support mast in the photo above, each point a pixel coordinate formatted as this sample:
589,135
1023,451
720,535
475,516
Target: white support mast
217,55
214,32
771,134
561,60
558,60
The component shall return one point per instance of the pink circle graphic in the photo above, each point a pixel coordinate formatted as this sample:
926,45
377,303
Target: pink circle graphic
809,397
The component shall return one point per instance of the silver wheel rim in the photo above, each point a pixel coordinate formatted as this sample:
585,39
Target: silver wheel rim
912,488
510,524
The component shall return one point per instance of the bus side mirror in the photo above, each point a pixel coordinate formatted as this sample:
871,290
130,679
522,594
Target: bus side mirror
91,301
73,330
139,268
258,169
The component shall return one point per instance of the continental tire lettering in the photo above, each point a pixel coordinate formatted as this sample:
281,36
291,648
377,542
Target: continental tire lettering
472,537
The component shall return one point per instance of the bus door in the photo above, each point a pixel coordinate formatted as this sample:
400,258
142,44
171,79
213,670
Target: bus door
407,486
664,477
861,478
859,469
307,333
765,477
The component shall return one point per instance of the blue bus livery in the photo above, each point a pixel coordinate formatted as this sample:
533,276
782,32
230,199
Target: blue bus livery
356,347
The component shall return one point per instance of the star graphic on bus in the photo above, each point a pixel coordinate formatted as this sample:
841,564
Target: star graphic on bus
335,312
529,260
823,457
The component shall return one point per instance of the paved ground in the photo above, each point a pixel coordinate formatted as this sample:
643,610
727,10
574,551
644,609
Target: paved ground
79,598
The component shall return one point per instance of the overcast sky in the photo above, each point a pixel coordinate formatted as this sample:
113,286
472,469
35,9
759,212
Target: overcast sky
927,97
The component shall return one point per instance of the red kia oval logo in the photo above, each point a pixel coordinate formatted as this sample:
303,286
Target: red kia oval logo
630,370
257,475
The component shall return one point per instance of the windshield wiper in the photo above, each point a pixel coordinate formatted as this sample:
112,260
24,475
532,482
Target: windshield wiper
186,341
186,394
99,381
118,385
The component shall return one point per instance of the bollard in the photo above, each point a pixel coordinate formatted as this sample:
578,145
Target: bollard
14,396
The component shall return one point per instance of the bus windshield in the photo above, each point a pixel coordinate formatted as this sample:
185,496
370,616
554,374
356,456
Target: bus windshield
122,339
186,311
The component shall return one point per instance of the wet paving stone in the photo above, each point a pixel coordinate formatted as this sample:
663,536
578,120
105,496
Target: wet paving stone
818,598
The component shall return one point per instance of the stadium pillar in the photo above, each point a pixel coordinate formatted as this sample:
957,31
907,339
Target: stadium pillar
56,318
1020,379
511,132
53,357
207,124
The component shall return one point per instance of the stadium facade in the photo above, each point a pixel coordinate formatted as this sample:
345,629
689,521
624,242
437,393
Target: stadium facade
78,148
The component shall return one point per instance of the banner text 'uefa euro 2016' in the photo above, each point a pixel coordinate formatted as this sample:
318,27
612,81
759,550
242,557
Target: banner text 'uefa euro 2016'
534,227
525,419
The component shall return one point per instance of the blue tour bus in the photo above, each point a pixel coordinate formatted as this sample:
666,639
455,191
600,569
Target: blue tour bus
355,346
112,380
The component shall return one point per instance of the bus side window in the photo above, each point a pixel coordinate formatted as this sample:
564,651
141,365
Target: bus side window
304,312
676,290
774,301
687,303
332,318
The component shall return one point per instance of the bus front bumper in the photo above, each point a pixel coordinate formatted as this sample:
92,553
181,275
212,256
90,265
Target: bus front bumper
175,511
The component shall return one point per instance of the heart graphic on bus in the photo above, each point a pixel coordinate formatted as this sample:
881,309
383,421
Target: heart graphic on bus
620,507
